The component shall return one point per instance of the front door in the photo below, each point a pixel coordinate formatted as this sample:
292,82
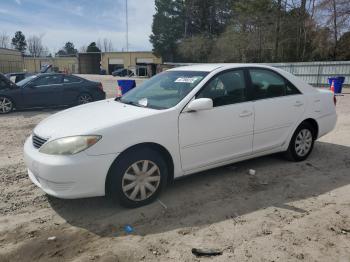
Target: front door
43,91
222,133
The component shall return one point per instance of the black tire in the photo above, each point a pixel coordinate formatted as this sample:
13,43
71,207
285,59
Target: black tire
84,98
116,176
292,154
6,105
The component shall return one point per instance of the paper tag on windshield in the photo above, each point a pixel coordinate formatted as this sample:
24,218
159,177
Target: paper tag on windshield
189,80
143,102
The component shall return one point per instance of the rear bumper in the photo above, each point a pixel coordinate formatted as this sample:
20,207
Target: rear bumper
326,124
100,96
76,176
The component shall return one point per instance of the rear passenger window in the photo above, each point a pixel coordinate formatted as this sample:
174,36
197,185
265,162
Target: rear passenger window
268,84
225,88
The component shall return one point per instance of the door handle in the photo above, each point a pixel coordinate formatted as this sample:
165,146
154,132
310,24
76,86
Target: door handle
245,113
298,103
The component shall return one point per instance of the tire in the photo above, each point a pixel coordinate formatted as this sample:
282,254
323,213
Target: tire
6,105
84,98
302,143
133,184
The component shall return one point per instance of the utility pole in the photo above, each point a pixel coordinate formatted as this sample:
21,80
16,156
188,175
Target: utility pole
127,25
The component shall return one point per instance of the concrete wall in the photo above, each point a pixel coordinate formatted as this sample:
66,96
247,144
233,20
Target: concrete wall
69,64
10,61
129,58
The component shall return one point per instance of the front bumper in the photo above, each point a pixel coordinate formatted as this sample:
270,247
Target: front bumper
75,176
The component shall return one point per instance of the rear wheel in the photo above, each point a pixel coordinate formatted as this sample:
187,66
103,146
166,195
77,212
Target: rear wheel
137,177
6,105
302,143
84,98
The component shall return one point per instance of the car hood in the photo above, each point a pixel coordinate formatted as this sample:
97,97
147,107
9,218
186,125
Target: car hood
90,119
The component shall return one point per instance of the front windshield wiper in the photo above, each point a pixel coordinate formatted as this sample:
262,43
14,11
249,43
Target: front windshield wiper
129,102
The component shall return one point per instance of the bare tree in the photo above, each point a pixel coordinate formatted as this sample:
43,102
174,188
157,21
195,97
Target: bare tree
35,46
338,18
105,45
4,40
83,49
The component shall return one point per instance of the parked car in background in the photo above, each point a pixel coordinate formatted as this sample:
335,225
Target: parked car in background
18,76
123,72
179,122
48,90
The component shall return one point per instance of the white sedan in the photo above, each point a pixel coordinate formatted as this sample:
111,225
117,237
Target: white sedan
180,122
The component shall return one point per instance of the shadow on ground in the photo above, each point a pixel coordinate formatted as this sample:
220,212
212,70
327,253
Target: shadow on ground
218,194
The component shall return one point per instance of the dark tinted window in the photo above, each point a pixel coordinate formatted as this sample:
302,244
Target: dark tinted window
48,80
225,88
71,79
3,84
268,84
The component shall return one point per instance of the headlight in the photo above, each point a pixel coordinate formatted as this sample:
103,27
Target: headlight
69,145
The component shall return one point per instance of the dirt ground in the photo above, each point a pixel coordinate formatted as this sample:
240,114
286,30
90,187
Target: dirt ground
286,212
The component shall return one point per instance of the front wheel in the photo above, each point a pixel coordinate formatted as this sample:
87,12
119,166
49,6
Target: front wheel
6,105
302,143
137,177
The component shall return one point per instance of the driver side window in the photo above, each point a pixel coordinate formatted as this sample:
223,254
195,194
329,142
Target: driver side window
225,88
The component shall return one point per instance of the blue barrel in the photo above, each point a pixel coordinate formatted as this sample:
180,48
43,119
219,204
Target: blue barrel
338,83
126,85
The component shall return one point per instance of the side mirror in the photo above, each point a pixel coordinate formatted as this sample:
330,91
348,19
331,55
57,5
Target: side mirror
200,104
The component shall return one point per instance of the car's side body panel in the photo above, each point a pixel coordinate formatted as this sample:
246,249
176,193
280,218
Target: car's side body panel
215,135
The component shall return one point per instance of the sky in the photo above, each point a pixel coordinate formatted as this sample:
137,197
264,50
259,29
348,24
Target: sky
79,21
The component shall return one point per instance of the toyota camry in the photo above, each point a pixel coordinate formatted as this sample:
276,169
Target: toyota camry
179,122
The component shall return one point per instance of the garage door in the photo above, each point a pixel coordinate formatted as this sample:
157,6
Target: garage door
116,61
144,60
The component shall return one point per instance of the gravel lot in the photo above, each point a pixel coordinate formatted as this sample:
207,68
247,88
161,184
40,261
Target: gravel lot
286,212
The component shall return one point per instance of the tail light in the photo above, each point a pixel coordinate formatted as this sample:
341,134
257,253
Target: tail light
100,86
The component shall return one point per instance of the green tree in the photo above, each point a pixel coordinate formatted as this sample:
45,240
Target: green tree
93,48
19,42
344,47
67,50
167,28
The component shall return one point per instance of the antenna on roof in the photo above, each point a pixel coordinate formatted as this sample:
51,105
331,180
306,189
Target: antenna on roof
127,25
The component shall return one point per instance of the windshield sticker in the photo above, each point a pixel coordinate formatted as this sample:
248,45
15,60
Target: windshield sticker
143,102
189,80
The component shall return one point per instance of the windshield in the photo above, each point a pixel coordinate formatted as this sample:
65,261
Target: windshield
164,90
25,80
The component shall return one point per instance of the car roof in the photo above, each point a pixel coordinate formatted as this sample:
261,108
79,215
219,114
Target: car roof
213,67
16,73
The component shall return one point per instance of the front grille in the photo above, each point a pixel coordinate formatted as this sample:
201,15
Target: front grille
38,141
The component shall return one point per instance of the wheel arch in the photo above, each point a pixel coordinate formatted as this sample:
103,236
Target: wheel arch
154,146
14,105
313,123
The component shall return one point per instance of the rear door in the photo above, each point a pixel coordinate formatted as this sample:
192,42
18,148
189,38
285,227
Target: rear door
278,105
72,87
45,90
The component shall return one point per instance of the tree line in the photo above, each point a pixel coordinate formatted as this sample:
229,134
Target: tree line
33,46
251,30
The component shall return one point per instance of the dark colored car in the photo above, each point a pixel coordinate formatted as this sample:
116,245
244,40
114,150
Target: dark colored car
48,90
122,72
17,76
